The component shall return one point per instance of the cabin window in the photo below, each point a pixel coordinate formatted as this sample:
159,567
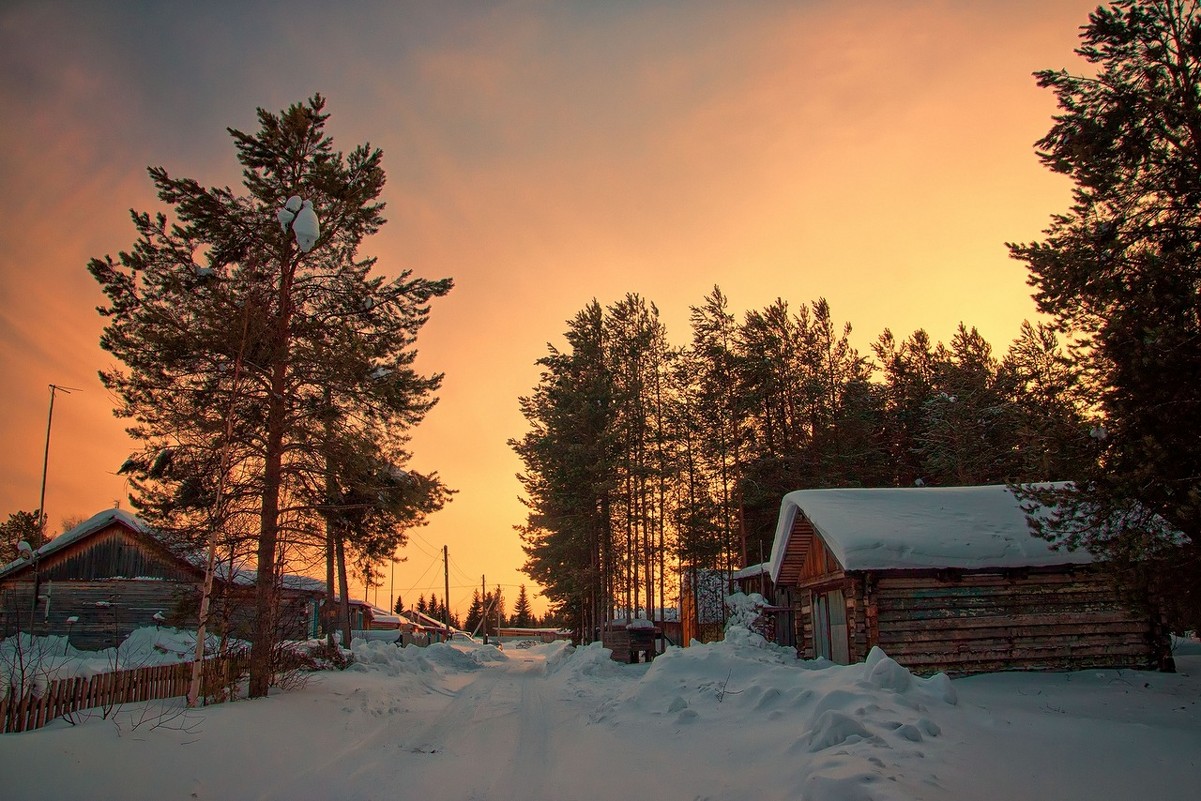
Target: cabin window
830,627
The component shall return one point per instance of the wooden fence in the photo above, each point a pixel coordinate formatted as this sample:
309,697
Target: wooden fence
65,696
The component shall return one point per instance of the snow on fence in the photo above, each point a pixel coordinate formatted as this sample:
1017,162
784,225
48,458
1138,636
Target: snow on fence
62,697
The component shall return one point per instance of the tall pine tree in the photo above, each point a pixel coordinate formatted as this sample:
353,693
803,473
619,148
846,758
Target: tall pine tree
1120,272
523,616
253,368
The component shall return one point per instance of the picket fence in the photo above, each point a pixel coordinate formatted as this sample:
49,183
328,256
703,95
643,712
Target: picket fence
62,697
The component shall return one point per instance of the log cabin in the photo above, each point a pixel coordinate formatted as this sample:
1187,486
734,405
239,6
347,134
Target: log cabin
111,574
949,579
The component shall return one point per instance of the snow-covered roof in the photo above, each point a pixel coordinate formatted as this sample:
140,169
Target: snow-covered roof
915,528
246,577
422,619
750,571
90,526
380,616
101,520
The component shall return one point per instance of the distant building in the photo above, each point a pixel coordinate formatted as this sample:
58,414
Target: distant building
112,574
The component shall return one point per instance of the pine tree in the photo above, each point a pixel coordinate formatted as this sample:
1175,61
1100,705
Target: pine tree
968,434
271,386
909,369
635,353
569,458
399,606
474,613
1119,272
20,527
523,617
1047,407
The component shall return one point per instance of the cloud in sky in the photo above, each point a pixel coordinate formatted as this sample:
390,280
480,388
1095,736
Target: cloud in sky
877,154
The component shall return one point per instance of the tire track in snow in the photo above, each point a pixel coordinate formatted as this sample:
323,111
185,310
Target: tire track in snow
500,721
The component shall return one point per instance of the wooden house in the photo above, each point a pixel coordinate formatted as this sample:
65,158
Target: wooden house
949,579
111,574
365,616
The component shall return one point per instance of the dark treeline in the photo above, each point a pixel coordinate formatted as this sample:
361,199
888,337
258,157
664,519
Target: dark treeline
645,461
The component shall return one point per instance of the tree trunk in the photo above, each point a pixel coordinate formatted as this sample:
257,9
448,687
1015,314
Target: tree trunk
344,589
330,616
263,640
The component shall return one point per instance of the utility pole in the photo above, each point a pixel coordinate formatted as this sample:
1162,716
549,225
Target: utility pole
484,606
446,591
46,462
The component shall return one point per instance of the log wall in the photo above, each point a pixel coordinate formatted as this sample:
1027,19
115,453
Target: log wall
983,622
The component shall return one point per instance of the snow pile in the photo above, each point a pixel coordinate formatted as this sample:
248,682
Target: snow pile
440,658
483,654
556,653
746,624
586,663
838,731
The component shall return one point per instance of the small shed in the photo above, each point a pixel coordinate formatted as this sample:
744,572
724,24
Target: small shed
949,579
111,574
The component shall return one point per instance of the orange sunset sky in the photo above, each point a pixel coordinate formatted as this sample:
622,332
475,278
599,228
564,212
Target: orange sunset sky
877,154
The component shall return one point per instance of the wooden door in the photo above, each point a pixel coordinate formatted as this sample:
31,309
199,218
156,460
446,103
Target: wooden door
830,627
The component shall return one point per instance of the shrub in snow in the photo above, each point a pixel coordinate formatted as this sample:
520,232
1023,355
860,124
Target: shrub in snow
746,624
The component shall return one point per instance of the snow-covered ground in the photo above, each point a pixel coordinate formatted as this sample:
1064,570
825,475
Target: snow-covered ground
732,720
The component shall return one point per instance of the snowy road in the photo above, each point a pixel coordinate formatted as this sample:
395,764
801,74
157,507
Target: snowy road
721,722
492,741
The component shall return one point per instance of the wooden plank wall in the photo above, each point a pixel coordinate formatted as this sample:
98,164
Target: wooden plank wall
63,697
113,553
988,622
106,610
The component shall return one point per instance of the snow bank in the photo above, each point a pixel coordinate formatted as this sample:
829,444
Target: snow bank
739,719
36,661
439,657
586,662
841,732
